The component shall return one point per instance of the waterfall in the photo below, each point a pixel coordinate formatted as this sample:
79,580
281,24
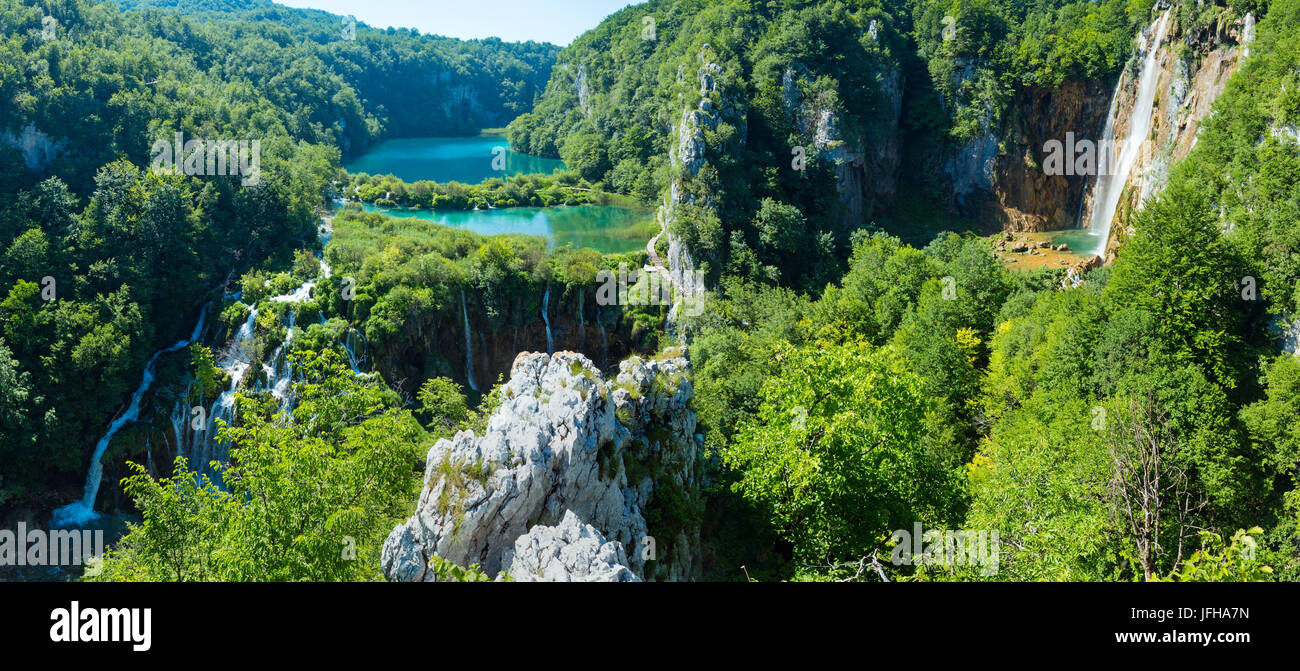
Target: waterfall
236,361
582,324
1112,176
350,347
1247,34
83,511
604,347
469,345
199,446
546,301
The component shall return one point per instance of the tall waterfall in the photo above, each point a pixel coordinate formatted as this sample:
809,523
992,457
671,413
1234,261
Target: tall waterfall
469,345
1247,34
83,511
546,319
1113,175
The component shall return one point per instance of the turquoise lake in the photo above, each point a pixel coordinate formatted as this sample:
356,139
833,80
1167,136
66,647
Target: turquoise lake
1080,240
609,229
448,159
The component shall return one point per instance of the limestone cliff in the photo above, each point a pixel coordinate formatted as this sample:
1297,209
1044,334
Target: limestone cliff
1026,197
36,147
575,478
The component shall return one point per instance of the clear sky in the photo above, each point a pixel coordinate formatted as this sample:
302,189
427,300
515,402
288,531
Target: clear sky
556,21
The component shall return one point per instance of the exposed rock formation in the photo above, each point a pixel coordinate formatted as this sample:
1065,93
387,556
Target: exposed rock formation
36,147
570,552
866,160
1028,199
621,457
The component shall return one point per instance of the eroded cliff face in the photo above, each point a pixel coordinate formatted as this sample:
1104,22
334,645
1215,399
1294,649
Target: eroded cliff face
865,157
1025,197
434,344
576,478
864,154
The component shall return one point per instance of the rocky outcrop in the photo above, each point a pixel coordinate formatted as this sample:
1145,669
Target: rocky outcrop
865,158
969,166
37,148
687,156
619,456
570,552
583,89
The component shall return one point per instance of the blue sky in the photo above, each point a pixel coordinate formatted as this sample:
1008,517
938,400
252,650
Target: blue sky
557,21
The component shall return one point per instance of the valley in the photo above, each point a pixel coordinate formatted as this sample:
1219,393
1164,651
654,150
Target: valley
979,267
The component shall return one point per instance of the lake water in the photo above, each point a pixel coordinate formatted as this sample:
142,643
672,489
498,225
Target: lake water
448,159
606,228
1082,241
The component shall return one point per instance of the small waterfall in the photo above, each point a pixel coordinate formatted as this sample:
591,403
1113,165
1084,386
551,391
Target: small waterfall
1111,179
469,345
355,350
179,418
604,346
546,301
83,511
582,324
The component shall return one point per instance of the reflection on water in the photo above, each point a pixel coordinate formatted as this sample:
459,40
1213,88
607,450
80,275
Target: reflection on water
448,159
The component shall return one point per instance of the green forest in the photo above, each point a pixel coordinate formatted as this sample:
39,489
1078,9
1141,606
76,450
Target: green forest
865,361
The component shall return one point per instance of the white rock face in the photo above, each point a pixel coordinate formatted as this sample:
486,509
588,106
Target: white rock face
37,148
565,442
571,552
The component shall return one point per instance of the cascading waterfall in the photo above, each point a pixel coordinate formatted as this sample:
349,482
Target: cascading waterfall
546,319
469,345
179,418
199,445
354,349
202,447
83,511
1114,174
